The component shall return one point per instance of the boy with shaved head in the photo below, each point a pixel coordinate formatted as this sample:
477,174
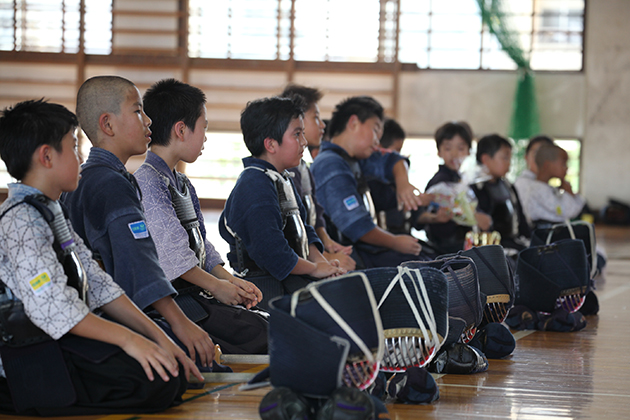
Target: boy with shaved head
543,203
106,211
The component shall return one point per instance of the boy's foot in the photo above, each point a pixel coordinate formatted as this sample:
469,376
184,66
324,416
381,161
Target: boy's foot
414,386
521,317
494,340
284,404
459,358
561,321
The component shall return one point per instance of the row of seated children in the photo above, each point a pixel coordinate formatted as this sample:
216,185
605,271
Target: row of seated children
499,199
284,253
98,364
108,217
113,224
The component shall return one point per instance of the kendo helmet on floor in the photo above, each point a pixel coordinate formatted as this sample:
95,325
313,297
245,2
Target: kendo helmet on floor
413,304
326,335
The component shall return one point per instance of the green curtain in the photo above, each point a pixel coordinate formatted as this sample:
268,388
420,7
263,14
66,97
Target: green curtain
524,123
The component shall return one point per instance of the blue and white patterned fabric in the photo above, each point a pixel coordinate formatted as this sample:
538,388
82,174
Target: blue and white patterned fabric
30,268
171,240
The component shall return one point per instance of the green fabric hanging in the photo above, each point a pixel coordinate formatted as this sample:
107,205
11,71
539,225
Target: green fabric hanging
524,123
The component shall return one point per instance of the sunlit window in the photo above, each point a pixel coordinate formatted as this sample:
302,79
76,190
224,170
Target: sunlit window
336,30
215,172
450,34
433,34
53,26
242,29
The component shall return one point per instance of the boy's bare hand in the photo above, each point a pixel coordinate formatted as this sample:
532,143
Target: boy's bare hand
151,356
250,288
230,294
345,261
335,247
189,366
483,221
196,341
409,197
324,269
407,244
564,185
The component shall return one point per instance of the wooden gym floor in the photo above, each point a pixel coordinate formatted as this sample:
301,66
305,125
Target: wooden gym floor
582,375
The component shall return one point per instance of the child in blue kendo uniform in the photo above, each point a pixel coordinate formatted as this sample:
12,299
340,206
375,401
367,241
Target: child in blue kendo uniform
264,218
341,171
89,364
314,129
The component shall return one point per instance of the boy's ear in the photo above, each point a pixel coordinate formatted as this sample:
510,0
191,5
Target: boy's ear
178,130
44,155
353,122
105,124
270,145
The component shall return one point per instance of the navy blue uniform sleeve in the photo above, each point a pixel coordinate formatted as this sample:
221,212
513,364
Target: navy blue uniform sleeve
106,212
380,166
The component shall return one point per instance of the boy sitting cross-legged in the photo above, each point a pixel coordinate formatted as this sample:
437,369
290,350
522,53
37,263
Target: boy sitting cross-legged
263,218
176,224
75,362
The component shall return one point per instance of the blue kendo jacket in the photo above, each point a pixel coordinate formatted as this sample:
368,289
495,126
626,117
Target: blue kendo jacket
337,187
252,211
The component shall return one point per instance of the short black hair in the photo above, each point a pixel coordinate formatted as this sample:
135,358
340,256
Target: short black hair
268,118
391,131
310,95
364,107
538,139
451,129
29,125
490,144
168,102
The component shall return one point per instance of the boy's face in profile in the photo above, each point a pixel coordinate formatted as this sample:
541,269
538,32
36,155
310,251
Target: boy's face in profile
558,168
66,164
133,124
499,164
195,139
453,152
367,135
292,148
313,126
